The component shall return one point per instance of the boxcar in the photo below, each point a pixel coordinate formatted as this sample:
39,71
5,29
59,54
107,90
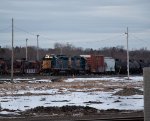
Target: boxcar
109,65
95,63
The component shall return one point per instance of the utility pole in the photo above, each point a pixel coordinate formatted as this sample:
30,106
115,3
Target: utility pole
127,33
37,56
12,54
26,49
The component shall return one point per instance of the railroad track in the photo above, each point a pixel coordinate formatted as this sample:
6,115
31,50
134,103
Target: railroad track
114,119
70,119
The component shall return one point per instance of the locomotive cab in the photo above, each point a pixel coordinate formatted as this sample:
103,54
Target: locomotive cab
47,64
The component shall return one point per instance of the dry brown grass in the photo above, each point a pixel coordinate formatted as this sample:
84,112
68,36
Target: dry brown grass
88,86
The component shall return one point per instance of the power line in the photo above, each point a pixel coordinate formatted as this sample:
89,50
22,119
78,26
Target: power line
6,41
24,31
49,38
3,29
111,39
35,34
137,38
107,39
42,36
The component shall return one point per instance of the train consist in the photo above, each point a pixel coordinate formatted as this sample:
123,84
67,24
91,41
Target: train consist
89,64
66,65
20,67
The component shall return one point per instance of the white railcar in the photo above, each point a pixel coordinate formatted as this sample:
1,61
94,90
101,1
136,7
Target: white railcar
109,64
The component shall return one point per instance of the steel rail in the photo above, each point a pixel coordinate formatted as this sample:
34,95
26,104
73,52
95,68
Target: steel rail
113,119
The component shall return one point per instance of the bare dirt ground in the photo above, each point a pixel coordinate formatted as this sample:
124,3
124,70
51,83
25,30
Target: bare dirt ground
67,113
110,114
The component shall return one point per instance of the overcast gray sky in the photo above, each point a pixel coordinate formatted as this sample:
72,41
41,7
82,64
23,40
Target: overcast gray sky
83,23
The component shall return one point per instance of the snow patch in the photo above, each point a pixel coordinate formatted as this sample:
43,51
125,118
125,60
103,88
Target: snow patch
122,79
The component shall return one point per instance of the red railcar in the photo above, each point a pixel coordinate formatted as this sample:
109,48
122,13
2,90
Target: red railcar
95,63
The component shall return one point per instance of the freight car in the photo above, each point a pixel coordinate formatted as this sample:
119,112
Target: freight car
95,63
109,65
19,66
32,67
23,67
135,67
